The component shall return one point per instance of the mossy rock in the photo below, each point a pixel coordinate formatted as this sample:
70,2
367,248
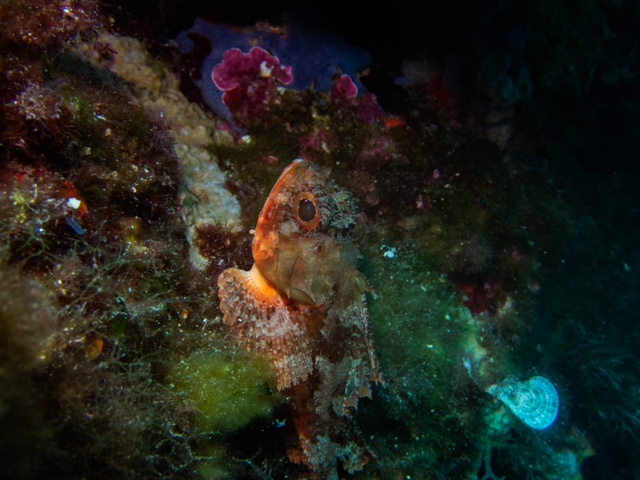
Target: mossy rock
227,389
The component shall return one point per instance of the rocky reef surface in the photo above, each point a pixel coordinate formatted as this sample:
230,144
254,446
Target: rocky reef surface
139,145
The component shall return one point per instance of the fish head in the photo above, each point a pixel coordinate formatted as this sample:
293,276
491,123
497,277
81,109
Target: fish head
299,241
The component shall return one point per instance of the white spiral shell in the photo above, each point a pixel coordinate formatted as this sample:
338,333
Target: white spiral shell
534,401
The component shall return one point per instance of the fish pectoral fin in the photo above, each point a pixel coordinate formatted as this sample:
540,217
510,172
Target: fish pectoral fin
262,321
364,368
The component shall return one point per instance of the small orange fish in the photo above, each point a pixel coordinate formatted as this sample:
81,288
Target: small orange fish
303,306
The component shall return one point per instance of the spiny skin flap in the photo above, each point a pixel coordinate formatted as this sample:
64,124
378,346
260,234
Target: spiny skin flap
260,319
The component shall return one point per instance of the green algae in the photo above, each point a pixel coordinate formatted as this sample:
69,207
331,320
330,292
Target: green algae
226,389
430,404
214,464
26,322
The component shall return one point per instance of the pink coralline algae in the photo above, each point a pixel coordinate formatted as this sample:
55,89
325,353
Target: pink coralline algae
369,109
316,55
344,94
321,140
343,89
250,81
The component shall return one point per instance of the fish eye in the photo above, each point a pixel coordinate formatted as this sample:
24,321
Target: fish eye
306,210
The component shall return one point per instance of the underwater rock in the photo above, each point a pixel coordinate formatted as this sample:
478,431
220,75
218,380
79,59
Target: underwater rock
534,401
27,322
315,55
205,198
303,307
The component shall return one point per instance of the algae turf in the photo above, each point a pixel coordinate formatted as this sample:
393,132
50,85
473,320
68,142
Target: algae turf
429,405
97,297
438,360
227,389
101,307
